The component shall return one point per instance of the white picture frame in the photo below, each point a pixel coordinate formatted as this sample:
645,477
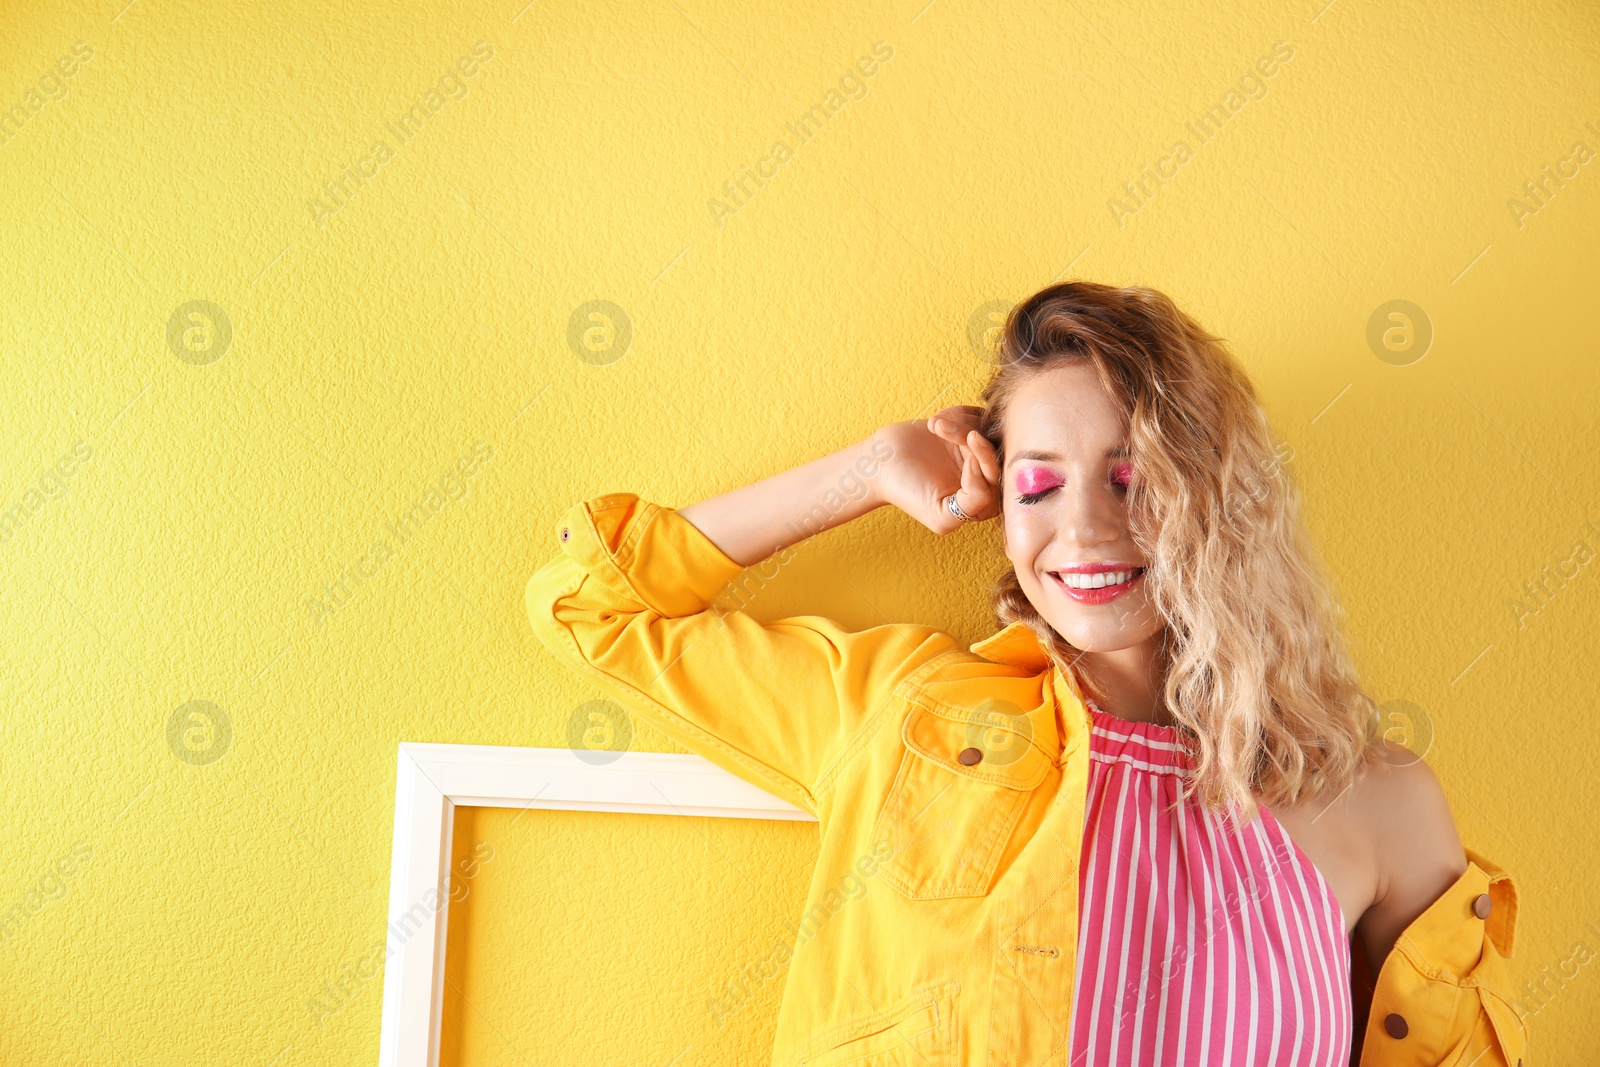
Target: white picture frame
432,780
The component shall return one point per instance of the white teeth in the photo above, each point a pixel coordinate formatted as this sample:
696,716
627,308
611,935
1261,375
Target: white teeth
1094,581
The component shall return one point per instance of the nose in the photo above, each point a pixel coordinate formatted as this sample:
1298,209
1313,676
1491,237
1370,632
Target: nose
1091,514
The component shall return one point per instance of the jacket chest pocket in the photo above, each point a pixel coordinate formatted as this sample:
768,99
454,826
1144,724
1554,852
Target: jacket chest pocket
964,780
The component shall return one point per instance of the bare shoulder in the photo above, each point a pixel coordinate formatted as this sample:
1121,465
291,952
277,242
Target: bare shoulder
1400,806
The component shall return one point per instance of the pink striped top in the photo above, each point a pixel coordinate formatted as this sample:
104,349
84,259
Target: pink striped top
1200,941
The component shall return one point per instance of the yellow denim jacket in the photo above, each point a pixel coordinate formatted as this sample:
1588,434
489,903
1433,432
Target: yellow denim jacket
941,921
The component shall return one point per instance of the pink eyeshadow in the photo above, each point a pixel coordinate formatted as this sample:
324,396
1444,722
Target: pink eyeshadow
1036,480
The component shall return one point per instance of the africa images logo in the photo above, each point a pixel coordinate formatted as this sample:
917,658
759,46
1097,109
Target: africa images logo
395,535
852,86
353,178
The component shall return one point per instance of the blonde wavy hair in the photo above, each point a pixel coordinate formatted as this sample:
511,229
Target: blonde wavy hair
1256,673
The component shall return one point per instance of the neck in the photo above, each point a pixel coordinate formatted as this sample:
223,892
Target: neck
1131,679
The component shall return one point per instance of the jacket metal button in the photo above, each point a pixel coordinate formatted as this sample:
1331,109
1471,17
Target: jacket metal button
565,533
969,756
1482,905
1395,1026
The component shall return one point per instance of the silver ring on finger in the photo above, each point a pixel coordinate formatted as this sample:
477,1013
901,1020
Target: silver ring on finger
955,509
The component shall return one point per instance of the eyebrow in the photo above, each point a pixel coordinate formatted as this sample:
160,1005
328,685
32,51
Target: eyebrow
1052,457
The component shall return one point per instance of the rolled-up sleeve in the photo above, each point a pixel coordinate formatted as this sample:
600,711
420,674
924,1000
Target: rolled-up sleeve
1445,993
628,603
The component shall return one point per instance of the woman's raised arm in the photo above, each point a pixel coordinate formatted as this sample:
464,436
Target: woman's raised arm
913,465
628,603
761,519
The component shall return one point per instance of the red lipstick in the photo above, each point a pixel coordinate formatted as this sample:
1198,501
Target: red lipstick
1102,594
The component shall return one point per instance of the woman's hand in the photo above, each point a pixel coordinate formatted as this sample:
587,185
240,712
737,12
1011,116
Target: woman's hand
938,456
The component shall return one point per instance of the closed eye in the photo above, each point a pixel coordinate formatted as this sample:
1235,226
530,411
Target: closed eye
1120,481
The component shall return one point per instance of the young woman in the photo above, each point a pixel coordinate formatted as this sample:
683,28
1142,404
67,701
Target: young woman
1153,819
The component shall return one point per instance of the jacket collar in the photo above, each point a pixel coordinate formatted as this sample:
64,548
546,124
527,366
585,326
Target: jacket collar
1017,645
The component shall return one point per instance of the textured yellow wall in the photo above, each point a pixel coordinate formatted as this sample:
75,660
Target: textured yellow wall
232,388
600,939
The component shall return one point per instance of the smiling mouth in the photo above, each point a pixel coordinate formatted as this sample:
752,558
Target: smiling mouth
1097,588
1099,580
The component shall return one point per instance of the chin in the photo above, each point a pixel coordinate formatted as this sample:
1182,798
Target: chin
1089,634
1092,628
1089,643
